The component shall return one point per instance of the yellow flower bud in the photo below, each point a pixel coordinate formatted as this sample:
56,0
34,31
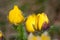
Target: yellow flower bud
41,18
30,23
15,15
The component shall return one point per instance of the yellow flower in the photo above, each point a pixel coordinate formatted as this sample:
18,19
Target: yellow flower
32,37
30,23
1,34
42,18
45,36
35,22
15,15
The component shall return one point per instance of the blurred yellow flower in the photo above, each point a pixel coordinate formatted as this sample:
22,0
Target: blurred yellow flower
32,37
42,18
30,23
35,22
1,34
15,15
44,36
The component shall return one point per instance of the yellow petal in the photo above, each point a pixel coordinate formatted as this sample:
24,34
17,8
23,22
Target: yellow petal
30,23
15,15
41,19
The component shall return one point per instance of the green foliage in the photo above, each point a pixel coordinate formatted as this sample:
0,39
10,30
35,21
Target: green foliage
54,30
21,32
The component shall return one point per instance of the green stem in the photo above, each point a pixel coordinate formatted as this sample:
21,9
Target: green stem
21,32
